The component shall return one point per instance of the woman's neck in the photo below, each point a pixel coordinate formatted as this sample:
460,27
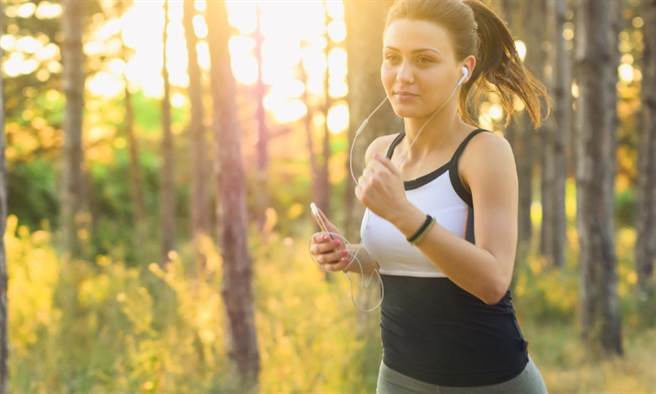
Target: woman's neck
438,135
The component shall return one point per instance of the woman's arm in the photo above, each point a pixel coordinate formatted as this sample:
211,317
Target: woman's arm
484,269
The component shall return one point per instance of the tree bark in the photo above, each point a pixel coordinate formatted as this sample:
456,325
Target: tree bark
646,219
596,47
365,21
73,81
200,198
309,135
4,315
543,30
263,138
167,197
556,134
533,38
237,271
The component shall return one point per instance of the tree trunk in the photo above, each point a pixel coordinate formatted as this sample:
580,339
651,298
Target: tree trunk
200,198
237,271
596,48
646,219
324,175
316,169
573,121
563,93
519,137
554,225
136,191
542,30
534,37
167,202
4,317
309,133
73,82
262,197
365,21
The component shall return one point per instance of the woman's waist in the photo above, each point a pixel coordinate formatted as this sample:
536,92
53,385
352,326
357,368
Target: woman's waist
429,327
438,297
483,343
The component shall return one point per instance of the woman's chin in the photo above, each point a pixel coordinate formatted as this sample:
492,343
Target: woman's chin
406,112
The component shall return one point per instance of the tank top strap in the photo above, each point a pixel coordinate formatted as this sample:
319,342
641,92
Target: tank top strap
463,144
393,145
453,168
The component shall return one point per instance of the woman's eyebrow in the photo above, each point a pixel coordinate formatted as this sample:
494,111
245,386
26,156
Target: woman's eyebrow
416,50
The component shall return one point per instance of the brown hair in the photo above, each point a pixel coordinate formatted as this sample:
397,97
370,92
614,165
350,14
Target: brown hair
476,30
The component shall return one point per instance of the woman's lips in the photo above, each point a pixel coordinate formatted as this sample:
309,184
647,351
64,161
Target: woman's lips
406,96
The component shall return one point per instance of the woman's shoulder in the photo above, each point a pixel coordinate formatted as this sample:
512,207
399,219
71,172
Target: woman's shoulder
379,145
490,142
482,150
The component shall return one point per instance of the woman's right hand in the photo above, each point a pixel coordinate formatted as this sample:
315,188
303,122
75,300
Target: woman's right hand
331,253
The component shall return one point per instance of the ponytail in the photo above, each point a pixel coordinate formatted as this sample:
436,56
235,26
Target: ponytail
499,64
476,30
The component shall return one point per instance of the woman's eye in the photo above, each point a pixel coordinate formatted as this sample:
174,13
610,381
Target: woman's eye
424,60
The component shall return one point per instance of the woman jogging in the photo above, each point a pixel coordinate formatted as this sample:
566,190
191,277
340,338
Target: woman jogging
441,197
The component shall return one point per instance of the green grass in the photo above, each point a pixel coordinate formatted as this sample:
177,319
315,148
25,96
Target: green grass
568,367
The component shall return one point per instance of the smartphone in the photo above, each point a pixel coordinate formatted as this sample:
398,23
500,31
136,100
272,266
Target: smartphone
317,217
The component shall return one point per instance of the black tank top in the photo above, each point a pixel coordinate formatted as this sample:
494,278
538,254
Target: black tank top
435,331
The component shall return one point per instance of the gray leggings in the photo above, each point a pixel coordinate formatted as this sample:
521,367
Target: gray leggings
392,382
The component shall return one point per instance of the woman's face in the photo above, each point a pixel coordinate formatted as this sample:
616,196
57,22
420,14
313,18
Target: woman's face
418,59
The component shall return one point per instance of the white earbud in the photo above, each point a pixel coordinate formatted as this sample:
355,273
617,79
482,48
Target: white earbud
465,73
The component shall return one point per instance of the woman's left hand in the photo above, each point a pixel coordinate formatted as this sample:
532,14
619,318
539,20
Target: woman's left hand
380,188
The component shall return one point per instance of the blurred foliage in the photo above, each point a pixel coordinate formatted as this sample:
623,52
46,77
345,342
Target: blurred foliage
33,170
103,326
625,207
41,202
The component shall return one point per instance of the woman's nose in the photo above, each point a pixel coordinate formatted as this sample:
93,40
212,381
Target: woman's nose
404,73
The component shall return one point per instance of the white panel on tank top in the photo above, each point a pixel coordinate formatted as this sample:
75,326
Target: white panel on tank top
389,247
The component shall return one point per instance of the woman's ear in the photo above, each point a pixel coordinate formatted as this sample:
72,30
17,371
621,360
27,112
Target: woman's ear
470,63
